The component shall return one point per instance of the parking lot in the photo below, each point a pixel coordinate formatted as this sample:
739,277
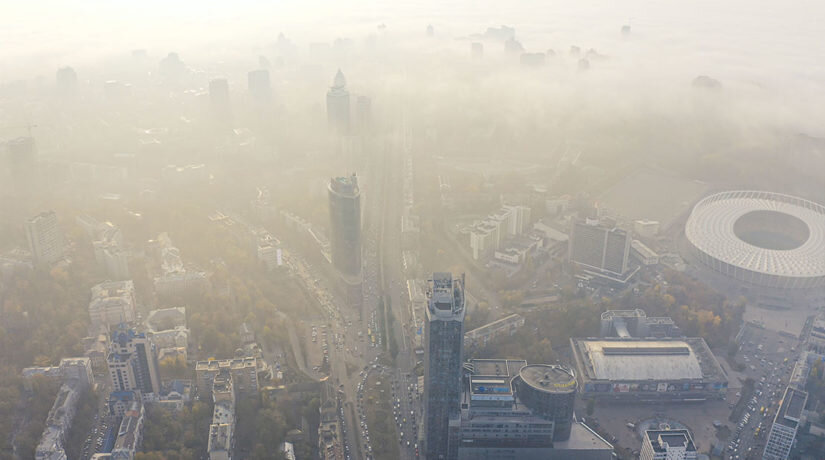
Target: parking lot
743,419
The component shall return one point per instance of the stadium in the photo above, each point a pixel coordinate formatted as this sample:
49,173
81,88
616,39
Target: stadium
766,239
647,370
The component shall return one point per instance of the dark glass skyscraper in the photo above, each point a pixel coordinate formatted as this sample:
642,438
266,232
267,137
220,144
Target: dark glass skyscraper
443,359
345,225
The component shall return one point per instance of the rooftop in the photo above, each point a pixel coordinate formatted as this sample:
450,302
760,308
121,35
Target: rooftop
661,440
492,378
220,437
515,318
128,435
447,294
646,359
346,186
549,378
790,409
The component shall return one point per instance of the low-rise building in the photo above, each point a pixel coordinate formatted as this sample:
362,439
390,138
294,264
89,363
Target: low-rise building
816,338
515,411
166,318
643,254
113,302
130,433
121,401
648,369
96,349
636,323
244,373
646,228
59,421
74,371
181,282
221,431
503,326
667,445
175,394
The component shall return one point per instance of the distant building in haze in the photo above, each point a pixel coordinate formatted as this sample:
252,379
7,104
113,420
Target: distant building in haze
260,88
487,235
363,113
443,360
113,302
345,224
219,98
602,250
338,112
477,50
66,80
345,235
45,238
18,163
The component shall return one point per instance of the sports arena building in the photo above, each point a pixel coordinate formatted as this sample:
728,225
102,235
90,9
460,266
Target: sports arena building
762,238
651,369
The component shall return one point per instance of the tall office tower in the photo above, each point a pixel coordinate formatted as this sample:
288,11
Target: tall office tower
45,238
667,445
443,359
345,235
133,362
338,104
604,248
785,423
260,88
66,80
345,224
219,98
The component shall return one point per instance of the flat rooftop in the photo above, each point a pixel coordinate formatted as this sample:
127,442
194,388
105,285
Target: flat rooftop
634,359
790,409
548,378
493,377
660,440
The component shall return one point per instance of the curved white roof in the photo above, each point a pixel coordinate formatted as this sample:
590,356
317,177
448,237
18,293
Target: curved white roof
710,228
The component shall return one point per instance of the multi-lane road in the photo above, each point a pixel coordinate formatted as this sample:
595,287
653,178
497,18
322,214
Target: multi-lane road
348,351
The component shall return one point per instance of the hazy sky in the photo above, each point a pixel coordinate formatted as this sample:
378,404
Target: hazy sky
770,54
741,34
